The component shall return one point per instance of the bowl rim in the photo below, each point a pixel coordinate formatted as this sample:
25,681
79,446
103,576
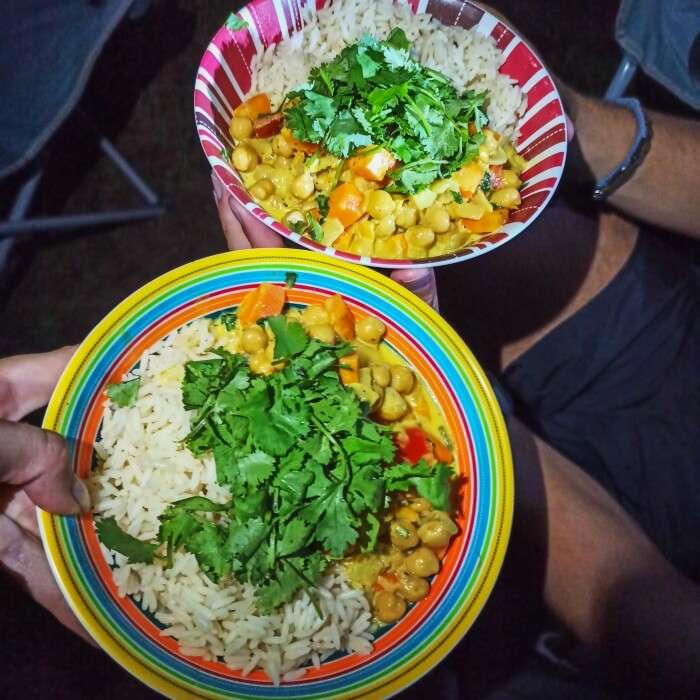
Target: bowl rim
487,25
66,563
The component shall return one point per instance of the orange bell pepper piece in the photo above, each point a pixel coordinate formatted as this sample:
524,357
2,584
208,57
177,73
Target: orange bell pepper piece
489,222
342,320
374,165
349,369
346,204
265,300
253,107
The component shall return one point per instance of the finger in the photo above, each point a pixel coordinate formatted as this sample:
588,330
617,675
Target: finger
27,381
420,281
17,506
38,461
23,557
258,233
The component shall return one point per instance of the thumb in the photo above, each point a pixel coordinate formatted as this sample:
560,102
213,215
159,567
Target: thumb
37,461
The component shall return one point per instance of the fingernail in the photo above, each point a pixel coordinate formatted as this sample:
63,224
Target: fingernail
217,186
81,495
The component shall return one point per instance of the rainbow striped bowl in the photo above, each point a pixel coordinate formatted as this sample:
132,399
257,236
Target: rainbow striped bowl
224,77
406,650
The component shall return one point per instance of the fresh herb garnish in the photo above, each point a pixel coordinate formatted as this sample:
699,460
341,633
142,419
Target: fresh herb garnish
290,279
228,319
308,226
307,469
235,23
124,393
322,201
375,94
224,155
457,196
485,184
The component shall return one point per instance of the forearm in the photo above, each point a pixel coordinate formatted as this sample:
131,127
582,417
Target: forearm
665,188
603,577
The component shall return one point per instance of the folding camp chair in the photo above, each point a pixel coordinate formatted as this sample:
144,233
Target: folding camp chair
662,38
47,53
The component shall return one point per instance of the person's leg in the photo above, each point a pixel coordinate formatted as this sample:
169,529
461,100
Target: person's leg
504,302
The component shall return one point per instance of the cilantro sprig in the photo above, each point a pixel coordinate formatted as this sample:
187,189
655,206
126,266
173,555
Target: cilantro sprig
307,469
375,94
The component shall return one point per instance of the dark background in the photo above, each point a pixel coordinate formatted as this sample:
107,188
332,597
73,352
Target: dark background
56,288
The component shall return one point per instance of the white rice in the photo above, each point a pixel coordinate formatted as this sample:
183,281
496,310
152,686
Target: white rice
469,59
145,468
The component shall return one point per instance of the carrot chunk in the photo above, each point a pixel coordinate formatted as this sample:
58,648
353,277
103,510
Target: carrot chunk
265,300
346,204
342,320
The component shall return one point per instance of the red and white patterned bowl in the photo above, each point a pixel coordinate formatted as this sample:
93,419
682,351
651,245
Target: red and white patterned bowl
224,77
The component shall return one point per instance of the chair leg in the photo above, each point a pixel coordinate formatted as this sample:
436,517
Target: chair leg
19,210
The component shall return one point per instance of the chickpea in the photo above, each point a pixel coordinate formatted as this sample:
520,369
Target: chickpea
420,236
262,189
412,587
370,330
385,227
241,128
421,505
315,313
388,607
507,197
292,217
393,407
509,178
403,534
253,339
434,534
402,379
422,562
380,204
302,186
244,157
437,218
282,147
381,375
323,332
259,363
406,216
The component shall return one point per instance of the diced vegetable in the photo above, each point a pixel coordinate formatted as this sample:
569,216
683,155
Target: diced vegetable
413,444
268,125
346,204
349,369
342,320
490,221
265,300
253,107
296,144
374,165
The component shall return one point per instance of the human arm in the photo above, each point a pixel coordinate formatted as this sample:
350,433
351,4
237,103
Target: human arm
665,188
34,471
603,577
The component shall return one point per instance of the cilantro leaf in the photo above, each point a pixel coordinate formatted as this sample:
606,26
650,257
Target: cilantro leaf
234,23
124,393
113,537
